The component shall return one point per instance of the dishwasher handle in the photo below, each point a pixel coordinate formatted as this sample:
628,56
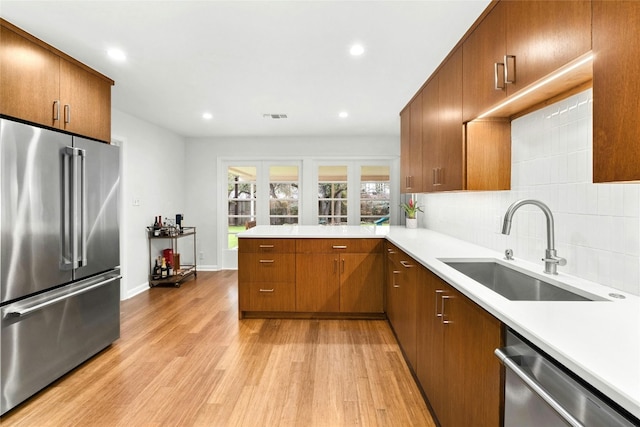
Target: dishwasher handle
510,363
25,311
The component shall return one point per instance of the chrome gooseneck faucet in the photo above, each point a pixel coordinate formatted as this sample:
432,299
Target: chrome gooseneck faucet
551,260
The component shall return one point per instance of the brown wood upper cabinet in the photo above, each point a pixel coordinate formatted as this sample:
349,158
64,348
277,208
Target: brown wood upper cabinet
518,43
41,85
616,91
455,156
442,140
411,146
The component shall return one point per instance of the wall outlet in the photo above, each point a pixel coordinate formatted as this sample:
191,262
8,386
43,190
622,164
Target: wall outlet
201,255
136,202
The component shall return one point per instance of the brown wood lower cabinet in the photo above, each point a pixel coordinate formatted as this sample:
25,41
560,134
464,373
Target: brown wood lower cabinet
318,281
340,276
403,275
456,367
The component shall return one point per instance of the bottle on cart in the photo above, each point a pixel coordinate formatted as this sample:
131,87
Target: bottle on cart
169,269
156,227
160,224
164,271
156,271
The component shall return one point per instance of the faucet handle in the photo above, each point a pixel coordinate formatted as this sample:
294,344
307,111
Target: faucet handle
555,260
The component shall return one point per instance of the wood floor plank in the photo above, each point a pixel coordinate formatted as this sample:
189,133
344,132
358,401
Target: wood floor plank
184,359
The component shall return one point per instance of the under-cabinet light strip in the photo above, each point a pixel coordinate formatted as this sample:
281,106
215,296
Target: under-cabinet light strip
538,85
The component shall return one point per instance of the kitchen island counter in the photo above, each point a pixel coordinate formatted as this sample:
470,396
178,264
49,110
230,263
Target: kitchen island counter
597,340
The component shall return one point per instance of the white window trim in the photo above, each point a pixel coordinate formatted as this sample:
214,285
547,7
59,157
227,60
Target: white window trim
308,190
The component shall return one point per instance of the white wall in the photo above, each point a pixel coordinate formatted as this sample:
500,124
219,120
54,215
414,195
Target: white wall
152,171
204,156
597,226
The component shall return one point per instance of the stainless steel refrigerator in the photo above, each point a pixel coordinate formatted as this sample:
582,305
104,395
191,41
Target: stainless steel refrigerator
59,255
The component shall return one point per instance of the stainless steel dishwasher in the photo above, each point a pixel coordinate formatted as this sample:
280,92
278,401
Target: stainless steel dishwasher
538,392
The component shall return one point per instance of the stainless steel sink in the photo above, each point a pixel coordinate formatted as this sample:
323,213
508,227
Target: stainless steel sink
515,285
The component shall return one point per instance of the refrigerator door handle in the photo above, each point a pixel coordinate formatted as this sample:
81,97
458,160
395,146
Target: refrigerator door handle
73,184
83,206
77,220
68,256
18,312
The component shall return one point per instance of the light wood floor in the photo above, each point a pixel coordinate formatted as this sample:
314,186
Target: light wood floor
184,359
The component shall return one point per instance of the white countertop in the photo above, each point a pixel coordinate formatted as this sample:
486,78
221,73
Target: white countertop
597,340
315,231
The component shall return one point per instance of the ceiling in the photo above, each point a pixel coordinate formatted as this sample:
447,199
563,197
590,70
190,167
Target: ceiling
239,60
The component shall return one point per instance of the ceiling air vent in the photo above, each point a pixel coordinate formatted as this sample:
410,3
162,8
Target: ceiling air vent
274,116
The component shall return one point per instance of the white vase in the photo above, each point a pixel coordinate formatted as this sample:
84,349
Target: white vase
412,223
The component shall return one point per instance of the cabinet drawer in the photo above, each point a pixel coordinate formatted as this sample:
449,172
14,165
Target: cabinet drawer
338,245
267,245
392,252
272,296
266,267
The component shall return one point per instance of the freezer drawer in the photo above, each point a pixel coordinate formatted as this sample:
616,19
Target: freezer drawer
44,337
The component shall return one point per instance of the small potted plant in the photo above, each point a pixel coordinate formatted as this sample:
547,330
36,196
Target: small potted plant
411,209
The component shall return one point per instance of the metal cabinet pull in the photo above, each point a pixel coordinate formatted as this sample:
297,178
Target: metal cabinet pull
507,59
67,113
266,290
335,265
343,265
496,75
395,272
267,261
434,178
267,246
439,293
56,110
339,246
406,264
445,322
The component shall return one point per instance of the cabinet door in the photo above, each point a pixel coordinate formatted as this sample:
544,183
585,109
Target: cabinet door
616,91
29,80
472,372
361,283
415,135
391,304
403,294
430,339
482,50
86,102
545,35
449,128
411,147
405,149
430,137
317,283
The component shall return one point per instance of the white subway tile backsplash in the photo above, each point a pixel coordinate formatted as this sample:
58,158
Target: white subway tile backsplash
604,199
597,225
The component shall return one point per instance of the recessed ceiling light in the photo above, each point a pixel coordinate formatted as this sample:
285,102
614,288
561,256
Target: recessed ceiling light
356,50
207,116
116,54
343,115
